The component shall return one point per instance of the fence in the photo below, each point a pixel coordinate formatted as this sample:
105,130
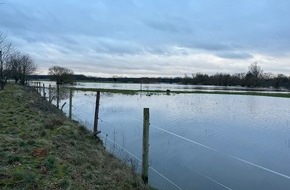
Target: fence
53,95
124,152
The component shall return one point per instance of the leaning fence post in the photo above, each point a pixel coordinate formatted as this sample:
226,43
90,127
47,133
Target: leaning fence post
70,103
97,114
145,154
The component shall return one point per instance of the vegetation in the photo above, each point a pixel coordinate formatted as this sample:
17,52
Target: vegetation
20,67
41,149
13,64
61,75
151,92
255,77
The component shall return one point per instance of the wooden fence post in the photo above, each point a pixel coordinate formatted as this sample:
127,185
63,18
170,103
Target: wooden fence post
39,88
49,92
43,88
70,102
145,154
57,95
97,114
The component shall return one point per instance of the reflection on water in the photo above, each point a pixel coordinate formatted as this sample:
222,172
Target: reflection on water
164,87
198,141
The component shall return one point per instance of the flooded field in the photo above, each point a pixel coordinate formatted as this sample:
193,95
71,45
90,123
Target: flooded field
197,141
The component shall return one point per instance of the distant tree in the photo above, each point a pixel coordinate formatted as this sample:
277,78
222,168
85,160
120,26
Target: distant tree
254,75
61,75
255,70
281,80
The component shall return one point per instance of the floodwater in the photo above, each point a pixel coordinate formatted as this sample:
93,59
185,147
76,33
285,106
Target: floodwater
197,141
164,87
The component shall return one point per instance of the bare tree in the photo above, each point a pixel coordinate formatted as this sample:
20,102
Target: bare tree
254,75
255,70
61,74
5,51
20,66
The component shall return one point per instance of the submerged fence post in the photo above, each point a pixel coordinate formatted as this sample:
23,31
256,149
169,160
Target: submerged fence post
145,154
70,103
97,114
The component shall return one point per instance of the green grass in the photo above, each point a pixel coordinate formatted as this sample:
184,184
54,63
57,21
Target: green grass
41,149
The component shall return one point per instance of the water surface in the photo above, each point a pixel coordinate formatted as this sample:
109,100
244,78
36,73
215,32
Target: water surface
198,141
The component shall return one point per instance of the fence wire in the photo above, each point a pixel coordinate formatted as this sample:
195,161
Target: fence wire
139,161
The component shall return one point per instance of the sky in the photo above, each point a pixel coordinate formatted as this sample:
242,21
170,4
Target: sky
135,38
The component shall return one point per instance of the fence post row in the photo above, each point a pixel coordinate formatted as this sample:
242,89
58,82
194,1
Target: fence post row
145,154
97,114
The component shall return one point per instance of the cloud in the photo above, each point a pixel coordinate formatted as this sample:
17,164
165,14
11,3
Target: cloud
234,55
152,37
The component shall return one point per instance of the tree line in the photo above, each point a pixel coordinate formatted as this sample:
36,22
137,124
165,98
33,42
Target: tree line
14,64
254,77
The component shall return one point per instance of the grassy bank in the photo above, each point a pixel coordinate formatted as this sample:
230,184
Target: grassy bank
41,149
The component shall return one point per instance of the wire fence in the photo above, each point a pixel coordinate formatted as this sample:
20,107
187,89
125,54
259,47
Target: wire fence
119,150
122,152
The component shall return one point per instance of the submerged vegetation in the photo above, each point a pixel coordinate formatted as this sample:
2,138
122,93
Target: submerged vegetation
41,149
168,92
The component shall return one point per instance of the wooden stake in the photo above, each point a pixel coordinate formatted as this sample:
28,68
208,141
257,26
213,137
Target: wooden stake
44,94
49,93
57,95
70,103
97,114
145,155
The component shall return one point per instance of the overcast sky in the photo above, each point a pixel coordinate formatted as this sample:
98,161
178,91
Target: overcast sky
151,37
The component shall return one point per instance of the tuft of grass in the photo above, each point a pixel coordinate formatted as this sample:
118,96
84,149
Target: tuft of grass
53,122
50,162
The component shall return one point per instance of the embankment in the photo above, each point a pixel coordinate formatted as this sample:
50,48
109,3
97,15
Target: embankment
42,149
